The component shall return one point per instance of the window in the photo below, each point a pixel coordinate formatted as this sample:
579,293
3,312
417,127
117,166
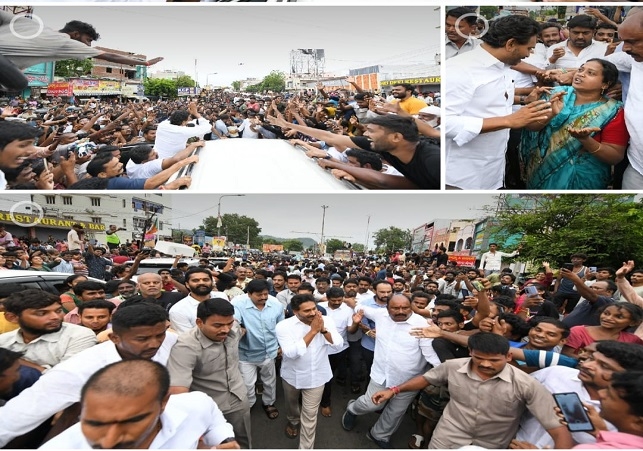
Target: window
458,246
468,243
50,200
160,225
68,217
139,223
96,220
108,70
95,201
124,221
67,201
124,204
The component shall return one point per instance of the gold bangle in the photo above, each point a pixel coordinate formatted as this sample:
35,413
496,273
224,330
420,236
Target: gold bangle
599,148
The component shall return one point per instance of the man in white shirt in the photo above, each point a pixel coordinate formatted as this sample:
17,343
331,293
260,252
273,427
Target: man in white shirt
147,416
172,134
491,261
580,47
595,373
459,39
398,356
145,162
305,340
342,315
74,243
183,313
479,100
631,60
139,332
43,337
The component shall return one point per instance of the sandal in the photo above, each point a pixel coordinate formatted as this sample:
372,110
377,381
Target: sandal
271,411
326,411
292,430
416,441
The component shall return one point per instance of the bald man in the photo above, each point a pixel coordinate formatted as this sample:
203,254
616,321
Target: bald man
147,416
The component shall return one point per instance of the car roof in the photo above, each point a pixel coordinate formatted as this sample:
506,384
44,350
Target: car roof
231,165
25,273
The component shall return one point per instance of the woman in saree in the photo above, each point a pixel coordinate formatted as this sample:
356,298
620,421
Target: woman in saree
585,136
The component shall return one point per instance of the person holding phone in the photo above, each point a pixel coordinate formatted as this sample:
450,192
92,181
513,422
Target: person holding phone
565,296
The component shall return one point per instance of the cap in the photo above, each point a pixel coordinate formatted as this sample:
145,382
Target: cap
431,110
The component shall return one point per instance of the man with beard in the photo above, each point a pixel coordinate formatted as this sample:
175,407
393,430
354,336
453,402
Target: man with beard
278,283
580,47
594,374
183,313
139,332
363,289
43,337
16,145
398,356
397,140
403,94
206,358
479,100
549,35
96,315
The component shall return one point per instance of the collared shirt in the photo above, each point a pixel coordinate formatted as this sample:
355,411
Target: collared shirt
183,313
306,366
260,340
49,350
399,356
557,379
480,86
487,413
201,364
633,106
187,417
343,317
171,139
64,266
369,342
571,61
451,50
60,387
285,296
492,261
614,440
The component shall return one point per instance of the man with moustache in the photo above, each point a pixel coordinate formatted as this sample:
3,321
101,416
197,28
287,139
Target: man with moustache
183,313
580,47
549,35
479,100
42,336
206,358
398,356
403,94
139,331
305,340
352,289
459,40
383,292
150,286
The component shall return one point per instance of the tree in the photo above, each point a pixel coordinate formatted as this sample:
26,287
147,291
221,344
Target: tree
293,245
236,85
333,245
606,227
392,238
73,68
160,87
488,11
236,228
358,247
184,81
275,81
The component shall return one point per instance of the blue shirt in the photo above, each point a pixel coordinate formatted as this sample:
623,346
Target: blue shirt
260,341
125,183
368,342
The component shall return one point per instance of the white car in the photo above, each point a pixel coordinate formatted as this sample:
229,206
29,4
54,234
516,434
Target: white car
154,264
51,282
268,165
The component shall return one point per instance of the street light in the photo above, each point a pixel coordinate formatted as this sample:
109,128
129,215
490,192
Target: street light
219,210
321,241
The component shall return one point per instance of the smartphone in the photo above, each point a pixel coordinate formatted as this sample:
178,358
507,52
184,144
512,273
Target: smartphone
573,412
592,269
464,292
531,290
569,266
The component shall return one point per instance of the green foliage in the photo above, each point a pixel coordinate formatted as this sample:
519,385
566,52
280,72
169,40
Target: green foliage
358,247
160,87
606,227
236,85
391,239
184,81
275,81
73,68
293,245
488,11
333,245
235,228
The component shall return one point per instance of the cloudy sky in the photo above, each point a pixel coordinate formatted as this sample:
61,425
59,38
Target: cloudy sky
233,42
286,215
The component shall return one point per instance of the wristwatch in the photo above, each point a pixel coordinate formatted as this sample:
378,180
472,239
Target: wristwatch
522,100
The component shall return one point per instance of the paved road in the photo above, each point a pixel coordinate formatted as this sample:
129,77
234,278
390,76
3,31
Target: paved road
269,434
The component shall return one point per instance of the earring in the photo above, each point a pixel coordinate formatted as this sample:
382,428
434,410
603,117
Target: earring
602,91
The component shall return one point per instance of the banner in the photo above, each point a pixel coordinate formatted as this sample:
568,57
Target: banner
59,89
218,243
94,87
34,220
412,81
272,247
463,260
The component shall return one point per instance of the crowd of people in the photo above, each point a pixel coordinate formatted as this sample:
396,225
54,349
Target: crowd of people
381,141
544,105
475,352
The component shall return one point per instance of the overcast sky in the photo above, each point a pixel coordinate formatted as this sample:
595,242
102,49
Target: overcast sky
240,41
285,215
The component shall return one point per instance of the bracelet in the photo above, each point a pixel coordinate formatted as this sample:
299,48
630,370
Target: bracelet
563,71
395,389
323,332
597,149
